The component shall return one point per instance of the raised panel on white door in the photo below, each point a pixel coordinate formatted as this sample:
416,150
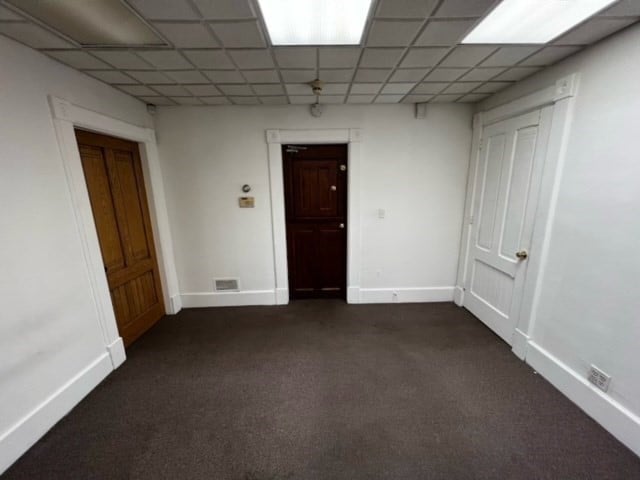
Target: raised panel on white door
492,171
492,286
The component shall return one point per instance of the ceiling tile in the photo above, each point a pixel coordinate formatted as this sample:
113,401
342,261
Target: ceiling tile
202,90
473,97
186,100
517,73
171,90
390,33
482,74
492,87
411,75
298,89
268,89
274,100
423,57
467,56
245,100
236,89
360,98
224,76
368,75
296,57
594,30
136,90
124,60
261,76
405,8
445,99
187,76
331,99
299,76
224,9
365,88
187,35
149,77
303,99
166,10
622,8
6,14
155,100
389,98
430,88
239,34
345,57
216,100
380,57
335,88
445,74
78,59
509,56
343,75
164,59
113,77
460,87
464,8
251,59
417,98
550,55
33,35
212,59
397,88
444,32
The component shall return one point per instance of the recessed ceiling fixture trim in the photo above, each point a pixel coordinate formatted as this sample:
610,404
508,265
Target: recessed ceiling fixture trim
104,23
533,21
313,22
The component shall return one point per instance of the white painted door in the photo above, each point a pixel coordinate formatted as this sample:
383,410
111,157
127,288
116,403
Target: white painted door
507,183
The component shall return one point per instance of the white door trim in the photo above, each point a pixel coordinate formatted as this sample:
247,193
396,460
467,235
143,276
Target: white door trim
275,140
562,97
66,117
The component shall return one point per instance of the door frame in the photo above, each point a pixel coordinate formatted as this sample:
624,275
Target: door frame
66,118
561,96
352,137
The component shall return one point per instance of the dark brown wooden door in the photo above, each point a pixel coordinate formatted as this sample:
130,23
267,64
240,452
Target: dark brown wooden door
114,179
316,211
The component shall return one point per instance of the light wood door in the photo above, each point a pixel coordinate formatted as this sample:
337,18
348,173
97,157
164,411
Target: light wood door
316,210
114,180
506,196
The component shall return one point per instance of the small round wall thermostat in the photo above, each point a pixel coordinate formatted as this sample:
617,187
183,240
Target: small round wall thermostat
246,188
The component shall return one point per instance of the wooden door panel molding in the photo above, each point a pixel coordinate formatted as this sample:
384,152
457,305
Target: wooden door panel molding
113,176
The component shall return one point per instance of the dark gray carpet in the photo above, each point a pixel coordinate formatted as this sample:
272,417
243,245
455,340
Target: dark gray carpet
323,390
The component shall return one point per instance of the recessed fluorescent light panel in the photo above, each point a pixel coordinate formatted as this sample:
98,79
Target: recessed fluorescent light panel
315,22
105,23
533,21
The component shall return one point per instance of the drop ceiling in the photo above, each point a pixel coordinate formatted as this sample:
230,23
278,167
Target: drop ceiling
217,53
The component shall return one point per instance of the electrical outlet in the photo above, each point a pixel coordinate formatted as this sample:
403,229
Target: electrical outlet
599,378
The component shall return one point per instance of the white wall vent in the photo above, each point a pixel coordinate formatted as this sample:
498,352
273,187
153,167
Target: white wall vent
226,285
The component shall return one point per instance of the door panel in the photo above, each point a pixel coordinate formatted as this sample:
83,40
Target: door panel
509,171
116,190
315,200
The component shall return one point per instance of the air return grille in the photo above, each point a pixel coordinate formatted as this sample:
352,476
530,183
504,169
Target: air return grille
226,284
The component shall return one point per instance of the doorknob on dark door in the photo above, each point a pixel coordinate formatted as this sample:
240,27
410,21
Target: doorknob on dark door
341,225
333,188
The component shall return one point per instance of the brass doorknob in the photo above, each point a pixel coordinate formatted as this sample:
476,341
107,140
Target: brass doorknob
522,254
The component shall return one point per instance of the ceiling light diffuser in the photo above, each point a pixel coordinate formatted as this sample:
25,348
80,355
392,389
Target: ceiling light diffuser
533,21
313,22
108,23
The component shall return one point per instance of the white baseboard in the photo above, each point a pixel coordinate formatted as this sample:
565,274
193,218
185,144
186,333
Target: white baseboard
614,417
458,296
353,294
176,304
117,353
282,296
406,295
19,438
228,299
520,344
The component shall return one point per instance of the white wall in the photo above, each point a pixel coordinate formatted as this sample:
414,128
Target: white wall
49,331
589,303
413,169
